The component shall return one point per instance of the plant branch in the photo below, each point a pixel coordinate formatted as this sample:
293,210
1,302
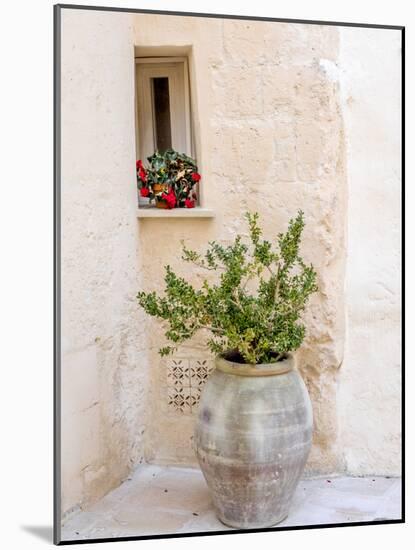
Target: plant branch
261,326
212,329
277,284
203,266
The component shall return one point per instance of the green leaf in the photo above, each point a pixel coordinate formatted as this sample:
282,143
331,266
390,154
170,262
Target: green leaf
261,326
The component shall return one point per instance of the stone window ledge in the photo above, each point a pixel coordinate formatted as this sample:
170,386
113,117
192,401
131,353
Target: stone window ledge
153,212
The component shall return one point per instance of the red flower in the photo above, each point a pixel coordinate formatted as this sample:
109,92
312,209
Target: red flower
142,175
189,203
139,165
144,191
196,176
170,198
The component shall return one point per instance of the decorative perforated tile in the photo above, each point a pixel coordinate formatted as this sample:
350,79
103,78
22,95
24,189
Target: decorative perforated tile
179,399
184,380
178,373
199,371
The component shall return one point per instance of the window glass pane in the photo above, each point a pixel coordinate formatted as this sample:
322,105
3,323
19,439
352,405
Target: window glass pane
161,104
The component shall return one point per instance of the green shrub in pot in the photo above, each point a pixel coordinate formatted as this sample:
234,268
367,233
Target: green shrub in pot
254,327
254,427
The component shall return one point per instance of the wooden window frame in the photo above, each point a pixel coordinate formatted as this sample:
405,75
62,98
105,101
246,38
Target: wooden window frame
176,70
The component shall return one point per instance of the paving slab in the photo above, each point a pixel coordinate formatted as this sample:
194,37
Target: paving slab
167,500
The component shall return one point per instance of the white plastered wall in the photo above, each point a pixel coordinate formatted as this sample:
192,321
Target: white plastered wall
104,367
369,385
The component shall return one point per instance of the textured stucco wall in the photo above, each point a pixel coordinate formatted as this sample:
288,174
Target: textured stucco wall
269,137
103,368
370,378
271,104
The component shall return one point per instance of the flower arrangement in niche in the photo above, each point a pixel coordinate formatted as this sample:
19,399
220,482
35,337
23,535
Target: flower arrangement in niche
169,180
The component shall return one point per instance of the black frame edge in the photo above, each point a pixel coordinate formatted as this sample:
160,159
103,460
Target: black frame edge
57,274
234,531
227,16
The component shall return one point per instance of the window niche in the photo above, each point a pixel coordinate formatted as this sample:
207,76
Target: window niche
164,117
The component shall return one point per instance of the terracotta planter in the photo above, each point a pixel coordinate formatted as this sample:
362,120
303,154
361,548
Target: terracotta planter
252,439
160,188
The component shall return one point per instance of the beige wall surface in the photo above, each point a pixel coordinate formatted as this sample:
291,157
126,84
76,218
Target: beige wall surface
269,137
370,378
270,122
103,390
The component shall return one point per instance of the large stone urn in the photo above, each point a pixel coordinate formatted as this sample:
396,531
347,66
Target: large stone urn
252,439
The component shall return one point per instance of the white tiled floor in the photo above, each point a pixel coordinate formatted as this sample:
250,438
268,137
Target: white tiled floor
160,500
